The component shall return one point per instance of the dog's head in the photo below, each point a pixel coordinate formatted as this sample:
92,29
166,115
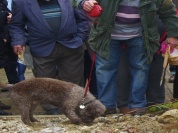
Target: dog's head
91,110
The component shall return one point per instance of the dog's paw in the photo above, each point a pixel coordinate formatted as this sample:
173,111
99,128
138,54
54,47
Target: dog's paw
34,120
30,124
38,125
76,121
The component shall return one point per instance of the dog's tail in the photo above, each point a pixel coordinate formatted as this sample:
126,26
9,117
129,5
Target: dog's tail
9,86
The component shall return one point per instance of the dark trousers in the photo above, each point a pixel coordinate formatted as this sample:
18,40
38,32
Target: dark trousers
175,86
63,63
10,66
155,92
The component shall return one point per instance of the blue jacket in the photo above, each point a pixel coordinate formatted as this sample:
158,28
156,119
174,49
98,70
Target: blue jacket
73,30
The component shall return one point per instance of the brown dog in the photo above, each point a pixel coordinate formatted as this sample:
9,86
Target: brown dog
67,96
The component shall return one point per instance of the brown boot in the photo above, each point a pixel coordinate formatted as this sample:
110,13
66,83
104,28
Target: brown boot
133,111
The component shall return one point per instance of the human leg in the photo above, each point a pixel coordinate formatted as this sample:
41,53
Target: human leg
21,70
63,63
11,67
139,72
155,92
46,67
106,70
123,81
71,65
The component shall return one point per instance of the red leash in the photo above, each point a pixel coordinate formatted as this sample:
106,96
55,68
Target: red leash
89,79
163,37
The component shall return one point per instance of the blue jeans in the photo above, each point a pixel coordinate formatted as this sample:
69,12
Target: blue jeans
21,71
155,93
106,71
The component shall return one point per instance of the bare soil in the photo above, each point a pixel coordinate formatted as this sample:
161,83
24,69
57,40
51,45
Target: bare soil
111,124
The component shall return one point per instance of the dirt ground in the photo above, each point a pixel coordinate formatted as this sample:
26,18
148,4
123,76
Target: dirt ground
116,123
111,124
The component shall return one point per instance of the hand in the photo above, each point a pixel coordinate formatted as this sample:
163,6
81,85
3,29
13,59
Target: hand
19,49
172,41
9,17
89,4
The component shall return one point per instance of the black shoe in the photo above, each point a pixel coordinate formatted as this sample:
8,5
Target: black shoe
3,106
134,111
4,113
5,89
110,111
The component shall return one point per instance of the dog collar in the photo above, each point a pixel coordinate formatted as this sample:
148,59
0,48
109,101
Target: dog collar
82,106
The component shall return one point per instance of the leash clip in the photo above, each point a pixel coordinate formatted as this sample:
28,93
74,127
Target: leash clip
82,106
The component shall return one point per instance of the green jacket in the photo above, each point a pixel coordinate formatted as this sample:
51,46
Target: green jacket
100,33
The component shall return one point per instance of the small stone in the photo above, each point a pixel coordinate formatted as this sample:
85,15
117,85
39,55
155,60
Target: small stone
47,130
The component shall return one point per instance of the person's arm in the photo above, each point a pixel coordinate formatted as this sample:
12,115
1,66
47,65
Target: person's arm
167,14
16,27
82,24
87,5
173,41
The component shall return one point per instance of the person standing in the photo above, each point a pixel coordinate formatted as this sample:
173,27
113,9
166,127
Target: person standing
155,93
132,22
56,35
4,14
11,65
